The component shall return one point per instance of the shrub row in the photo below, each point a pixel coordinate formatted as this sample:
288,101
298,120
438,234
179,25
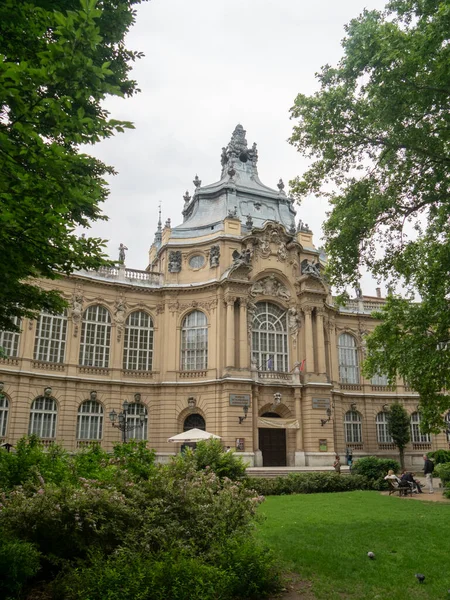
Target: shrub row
440,456
307,483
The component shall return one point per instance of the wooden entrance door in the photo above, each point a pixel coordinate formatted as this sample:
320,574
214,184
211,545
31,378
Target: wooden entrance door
272,443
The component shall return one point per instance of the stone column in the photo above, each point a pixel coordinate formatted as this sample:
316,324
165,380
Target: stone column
243,345
229,301
255,432
299,451
309,348
321,363
334,368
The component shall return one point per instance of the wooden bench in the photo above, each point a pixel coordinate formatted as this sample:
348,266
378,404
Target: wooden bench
401,490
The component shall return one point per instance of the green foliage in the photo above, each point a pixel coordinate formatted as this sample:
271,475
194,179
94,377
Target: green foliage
307,483
19,561
439,456
399,428
59,60
210,453
378,133
375,469
136,458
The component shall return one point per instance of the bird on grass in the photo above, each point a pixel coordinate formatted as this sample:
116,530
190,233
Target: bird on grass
420,577
371,555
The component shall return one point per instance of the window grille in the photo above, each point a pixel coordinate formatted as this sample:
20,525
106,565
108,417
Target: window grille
4,406
194,421
269,338
194,342
50,340
353,427
348,359
9,340
138,342
95,337
43,418
417,437
90,421
383,436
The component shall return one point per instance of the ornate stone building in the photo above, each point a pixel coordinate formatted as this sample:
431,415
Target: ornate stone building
231,328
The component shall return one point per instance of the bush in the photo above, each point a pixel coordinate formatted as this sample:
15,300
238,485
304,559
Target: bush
440,456
224,464
375,469
307,483
19,561
136,458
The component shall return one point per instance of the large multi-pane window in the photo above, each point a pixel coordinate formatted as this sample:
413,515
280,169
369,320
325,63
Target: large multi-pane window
379,380
50,341
353,427
383,436
138,428
95,337
269,337
194,342
9,340
348,359
138,342
417,437
43,417
4,405
90,421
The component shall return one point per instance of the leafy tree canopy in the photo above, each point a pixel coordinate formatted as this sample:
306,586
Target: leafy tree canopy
58,60
378,134
399,428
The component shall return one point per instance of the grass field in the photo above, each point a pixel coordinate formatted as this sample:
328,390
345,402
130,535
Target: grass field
325,539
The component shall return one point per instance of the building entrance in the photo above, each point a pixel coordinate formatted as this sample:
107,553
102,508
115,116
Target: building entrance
272,443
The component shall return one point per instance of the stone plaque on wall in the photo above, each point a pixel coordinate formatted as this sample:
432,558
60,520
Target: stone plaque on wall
239,399
321,403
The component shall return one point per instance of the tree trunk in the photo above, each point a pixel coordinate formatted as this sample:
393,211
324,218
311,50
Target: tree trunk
402,457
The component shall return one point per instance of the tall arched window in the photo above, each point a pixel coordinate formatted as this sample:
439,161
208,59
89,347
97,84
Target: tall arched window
348,359
4,406
417,437
138,342
43,417
95,337
353,427
50,340
194,342
269,337
90,421
194,421
9,340
138,430
383,436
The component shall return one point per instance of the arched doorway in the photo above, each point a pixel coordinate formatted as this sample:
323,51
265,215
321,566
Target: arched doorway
194,421
272,443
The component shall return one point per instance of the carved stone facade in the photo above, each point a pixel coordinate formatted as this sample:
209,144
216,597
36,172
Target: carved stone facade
256,319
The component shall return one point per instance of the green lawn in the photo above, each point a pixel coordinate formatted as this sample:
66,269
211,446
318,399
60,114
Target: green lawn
325,539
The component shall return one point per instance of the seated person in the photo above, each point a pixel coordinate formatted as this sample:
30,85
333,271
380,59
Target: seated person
409,477
396,481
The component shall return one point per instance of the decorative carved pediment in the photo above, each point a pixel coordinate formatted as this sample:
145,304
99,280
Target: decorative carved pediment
270,286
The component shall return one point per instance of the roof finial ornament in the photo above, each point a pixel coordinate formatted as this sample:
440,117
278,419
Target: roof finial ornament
122,249
167,224
158,235
186,198
249,222
280,186
197,182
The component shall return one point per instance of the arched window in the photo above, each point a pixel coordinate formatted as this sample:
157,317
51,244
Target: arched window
9,340
417,437
138,429
138,342
269,337
43,417
379,380
50,340
383,436
194,421
348,359
95,337
90,421
194,342
4,406
353,427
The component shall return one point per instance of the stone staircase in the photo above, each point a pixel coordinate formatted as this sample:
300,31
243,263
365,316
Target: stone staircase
271,472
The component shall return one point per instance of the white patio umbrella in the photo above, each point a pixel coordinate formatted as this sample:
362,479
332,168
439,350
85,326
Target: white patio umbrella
193,435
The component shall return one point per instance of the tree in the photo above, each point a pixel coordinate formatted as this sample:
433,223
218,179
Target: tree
399,428
59,59
378,134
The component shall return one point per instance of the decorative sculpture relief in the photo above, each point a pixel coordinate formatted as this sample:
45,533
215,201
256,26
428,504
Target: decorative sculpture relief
214,256
76,312
119,316
175,261
280,186
293,324
122,249
310,268
269,286
251,307
282,252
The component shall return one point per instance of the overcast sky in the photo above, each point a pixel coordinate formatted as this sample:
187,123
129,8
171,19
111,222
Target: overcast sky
209,65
